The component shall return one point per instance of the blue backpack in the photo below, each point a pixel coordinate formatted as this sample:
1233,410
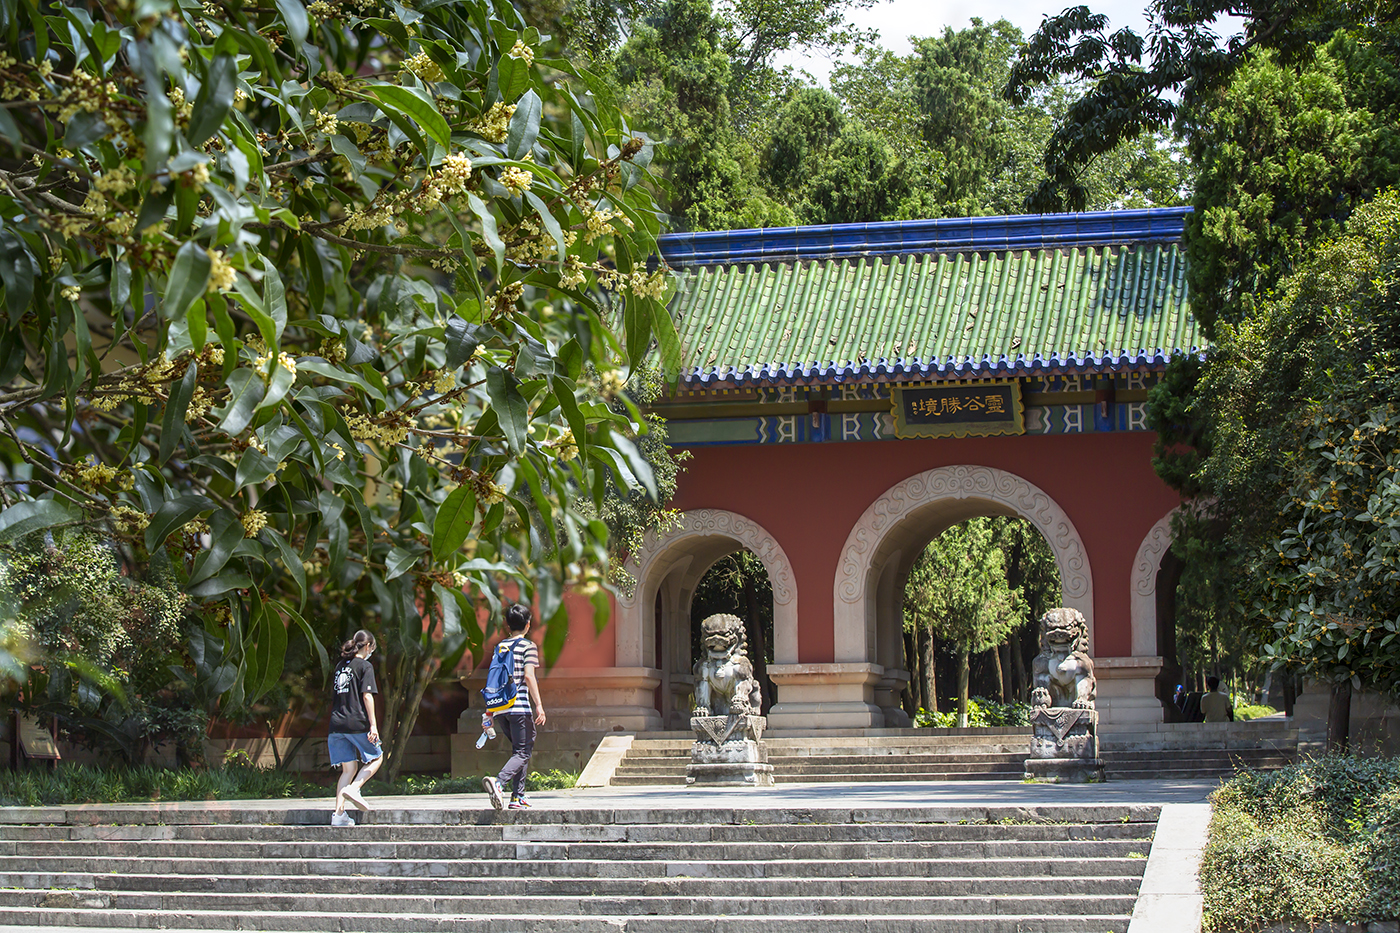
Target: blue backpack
500,688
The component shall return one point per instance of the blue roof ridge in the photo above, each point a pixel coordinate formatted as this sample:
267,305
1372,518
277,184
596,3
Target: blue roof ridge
940,235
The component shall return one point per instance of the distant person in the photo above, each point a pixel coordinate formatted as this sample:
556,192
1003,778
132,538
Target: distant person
354,735
1179,698
1216,705
519,721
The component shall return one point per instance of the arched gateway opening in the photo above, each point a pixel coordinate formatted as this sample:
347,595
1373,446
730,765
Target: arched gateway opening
654,625
884,543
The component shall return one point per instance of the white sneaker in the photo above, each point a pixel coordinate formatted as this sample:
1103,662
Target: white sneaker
352,794
493,790
341,819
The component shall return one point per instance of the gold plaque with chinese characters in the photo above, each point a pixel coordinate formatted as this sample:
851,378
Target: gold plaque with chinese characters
959,409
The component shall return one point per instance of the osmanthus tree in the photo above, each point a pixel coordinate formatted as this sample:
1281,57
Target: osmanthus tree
331,301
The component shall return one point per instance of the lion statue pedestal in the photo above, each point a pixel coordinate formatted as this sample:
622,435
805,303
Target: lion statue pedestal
728,748
1064,724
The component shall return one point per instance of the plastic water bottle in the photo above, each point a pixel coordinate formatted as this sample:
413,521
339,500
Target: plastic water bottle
488,729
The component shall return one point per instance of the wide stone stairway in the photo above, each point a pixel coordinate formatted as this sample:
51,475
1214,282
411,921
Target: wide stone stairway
1181,751
720,870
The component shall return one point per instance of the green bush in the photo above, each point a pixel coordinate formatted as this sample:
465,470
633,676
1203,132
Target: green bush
74,784
981,714
1314,842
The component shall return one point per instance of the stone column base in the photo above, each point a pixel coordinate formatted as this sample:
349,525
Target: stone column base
826,696
1127,690
728,752
1064,746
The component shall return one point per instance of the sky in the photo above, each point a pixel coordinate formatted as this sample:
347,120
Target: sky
897,20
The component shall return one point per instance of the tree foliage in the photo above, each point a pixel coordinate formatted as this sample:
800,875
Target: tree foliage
1134,84
957,590
1298,478
318,303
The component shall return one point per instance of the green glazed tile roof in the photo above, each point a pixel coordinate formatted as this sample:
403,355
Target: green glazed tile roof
936,314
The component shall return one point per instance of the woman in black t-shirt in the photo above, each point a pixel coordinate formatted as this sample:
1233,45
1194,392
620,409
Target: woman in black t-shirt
354,736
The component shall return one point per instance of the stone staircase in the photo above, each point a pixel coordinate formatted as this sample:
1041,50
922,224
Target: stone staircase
915,870
1180,751
849,755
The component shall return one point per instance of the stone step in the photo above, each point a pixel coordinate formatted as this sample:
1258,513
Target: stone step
913,762
512,851
114,836
913,869
503,904
674,886
1034,921
921,870
889,777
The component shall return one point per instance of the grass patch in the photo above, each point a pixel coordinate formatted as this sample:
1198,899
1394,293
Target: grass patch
74,784
1315,842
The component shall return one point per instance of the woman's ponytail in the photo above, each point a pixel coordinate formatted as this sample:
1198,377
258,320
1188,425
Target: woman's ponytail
357,642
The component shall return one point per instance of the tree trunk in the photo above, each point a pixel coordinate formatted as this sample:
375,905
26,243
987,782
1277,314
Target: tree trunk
1001,674
758,645
926,661
916,678
1290,692
964,669
1339,719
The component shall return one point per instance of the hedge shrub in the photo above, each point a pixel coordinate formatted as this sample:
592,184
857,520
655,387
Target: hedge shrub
1317,841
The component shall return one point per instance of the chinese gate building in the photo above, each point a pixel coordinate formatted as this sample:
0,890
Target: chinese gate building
852,391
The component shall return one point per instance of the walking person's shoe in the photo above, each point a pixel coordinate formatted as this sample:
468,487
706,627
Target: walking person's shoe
352,794
518,802
493,790
341,819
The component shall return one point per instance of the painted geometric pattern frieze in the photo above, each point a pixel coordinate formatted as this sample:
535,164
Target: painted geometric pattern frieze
879,426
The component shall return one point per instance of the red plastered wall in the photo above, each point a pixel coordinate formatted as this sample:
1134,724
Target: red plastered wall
810,495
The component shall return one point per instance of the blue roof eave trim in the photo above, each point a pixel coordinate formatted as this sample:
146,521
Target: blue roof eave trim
777,373
942,235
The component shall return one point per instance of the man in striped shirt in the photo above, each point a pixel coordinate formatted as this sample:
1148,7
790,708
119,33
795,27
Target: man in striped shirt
519,722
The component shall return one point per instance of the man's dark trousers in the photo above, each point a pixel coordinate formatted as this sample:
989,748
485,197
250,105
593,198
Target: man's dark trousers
520,729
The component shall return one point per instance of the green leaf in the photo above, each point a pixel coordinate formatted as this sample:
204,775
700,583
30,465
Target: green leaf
400,561
277,388
453,522
24,517
564,392
417,106
225,533
461,342
488,228
510,406
223,583
514,77
310,634
172,425
215,99
664,328
174,514
254,467
551,223
291,561
189,280
245,391
524,126
294,15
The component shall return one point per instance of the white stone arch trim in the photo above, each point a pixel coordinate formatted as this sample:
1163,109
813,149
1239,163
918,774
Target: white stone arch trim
660,551
1142,595
899,502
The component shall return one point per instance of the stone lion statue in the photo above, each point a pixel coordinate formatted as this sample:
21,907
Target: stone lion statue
1063,673
724,681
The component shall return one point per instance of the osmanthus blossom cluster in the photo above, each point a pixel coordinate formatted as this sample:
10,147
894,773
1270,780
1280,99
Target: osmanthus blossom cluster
314,298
